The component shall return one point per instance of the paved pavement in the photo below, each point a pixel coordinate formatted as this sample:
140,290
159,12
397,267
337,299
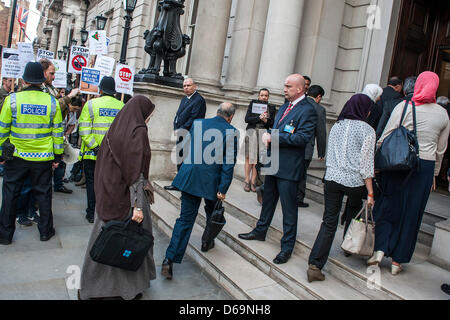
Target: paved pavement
31,269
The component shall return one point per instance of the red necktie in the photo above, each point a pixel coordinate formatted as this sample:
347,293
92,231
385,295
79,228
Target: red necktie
289,108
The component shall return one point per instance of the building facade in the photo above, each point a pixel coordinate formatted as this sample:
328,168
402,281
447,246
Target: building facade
5,20
240,46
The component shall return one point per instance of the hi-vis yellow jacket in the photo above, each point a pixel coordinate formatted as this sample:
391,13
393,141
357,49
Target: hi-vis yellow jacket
95,119
31,119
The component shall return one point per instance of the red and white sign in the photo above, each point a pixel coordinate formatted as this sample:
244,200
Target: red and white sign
79,58
124,79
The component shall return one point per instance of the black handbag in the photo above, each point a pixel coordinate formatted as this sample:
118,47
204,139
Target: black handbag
122,244
215,223
400,150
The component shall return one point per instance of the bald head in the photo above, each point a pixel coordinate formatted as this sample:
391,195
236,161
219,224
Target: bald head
226,110
189,86
294,87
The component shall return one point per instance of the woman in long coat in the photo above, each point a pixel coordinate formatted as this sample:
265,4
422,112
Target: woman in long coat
121,183
399,210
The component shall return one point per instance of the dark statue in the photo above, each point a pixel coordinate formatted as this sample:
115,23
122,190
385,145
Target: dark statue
166,41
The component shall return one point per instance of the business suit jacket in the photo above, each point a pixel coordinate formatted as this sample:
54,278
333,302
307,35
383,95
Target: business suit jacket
320,133
205,180
188,111
292,146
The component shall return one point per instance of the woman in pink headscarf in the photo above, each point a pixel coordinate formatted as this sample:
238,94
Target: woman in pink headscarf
399,209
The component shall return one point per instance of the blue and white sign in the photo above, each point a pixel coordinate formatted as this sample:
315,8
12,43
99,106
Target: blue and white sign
105,112
34,109
90,80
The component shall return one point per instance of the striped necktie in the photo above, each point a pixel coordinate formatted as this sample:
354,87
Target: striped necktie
289,108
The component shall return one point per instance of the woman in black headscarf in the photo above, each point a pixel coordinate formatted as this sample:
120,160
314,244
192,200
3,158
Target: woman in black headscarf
350,169
121,183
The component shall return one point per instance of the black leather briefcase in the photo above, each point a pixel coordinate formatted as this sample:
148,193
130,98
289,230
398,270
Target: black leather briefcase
122,244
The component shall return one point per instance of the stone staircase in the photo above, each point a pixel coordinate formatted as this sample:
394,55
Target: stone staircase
432,215
245,268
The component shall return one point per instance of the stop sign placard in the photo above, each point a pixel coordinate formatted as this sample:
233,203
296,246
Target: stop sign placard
125,74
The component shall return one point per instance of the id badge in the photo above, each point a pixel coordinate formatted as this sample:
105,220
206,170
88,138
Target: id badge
289,129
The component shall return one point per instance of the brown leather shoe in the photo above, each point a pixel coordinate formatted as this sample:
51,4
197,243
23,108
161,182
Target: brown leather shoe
314,274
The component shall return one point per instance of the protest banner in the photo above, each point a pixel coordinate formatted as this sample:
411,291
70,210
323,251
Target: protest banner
105,65
90,80
124,78
79,58
11,67
60,73
26,54
98,42
45,54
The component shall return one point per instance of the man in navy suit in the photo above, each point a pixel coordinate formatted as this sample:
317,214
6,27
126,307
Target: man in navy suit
207,171
192,107
294,127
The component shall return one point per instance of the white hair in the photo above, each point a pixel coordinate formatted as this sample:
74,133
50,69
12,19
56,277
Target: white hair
373,91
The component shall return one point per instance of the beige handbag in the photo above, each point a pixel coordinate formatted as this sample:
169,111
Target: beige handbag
360,237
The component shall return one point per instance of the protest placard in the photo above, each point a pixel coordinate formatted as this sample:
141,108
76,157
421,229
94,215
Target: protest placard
90,80
105,65
45,54
97,42
124,78
259,108
60,73
79,58
11,67
26,54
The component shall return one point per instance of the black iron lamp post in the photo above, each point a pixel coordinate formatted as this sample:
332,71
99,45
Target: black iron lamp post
101,22
84,36
65,51
129,6
60,53
73,42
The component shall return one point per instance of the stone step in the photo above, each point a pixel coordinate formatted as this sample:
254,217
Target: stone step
239,277
292,275
314,191
353,271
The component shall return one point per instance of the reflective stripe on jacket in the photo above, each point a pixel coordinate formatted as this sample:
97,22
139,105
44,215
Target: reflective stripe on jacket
95,119
32,121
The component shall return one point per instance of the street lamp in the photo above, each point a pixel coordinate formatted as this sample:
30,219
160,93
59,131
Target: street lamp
84,36
60,53
129,6
101,22
73,42
65,51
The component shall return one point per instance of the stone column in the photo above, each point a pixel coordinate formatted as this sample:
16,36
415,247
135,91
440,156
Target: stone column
54,39
209,41
63,31
319,41
247,44
280,43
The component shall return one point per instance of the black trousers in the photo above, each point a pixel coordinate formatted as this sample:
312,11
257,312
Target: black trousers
302,184
286,191
334,195
180,151
89,172
16,171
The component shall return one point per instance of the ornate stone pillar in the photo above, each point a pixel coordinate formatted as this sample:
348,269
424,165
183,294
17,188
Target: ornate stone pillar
63,32
247,44
280,43
209,41
54,39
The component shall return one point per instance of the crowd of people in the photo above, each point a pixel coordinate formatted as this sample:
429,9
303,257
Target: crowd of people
115,156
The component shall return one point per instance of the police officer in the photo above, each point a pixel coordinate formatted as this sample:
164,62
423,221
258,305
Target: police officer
31,119
95,119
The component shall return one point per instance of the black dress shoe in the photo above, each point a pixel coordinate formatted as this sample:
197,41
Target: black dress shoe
5,241
207,246
64,190
171,188
281,258
138,296
89,219
301,204
446,288
167,269
47,236
251,236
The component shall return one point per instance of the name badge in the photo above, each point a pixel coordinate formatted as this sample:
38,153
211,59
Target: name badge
104,112
289,129
34,109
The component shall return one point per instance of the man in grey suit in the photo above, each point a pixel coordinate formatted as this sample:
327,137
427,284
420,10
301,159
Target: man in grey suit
315,94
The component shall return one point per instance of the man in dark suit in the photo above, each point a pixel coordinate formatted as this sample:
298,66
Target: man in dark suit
207,172
294,128
192,107
315,94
